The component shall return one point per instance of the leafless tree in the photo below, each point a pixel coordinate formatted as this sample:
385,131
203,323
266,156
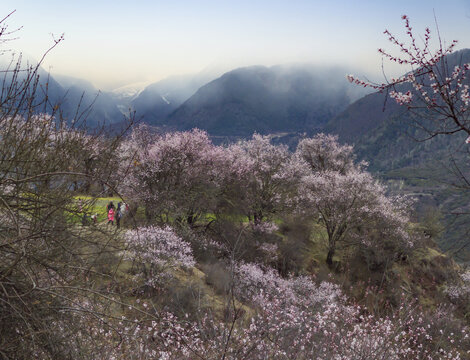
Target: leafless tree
49,262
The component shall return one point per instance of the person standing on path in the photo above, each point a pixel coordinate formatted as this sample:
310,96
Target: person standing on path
118,215
109,206
111,216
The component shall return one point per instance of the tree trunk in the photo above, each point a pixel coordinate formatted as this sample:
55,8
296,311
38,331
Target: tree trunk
257,217
331,252
329,257
191,219
149,212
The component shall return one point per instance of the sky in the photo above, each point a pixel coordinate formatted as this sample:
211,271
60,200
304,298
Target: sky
114,43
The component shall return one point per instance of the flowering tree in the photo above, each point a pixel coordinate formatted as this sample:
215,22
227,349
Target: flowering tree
264,175
158,251
352,207
431,86
435,90
174,175
323,152
45,254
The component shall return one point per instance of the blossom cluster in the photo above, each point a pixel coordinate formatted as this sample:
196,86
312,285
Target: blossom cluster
349,202
183,176
289,318
460,290
430,82
161,249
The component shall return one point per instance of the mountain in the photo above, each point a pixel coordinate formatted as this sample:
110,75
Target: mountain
266,100
16,75
81,99
125,95
280,99
78,99
160,99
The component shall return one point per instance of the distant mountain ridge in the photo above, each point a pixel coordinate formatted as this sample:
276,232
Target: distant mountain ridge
78,99
98,107
293,99
266,100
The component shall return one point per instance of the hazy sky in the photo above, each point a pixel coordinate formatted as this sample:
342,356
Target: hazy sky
112,43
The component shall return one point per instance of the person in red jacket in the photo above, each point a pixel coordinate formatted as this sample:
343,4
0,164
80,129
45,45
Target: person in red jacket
111,216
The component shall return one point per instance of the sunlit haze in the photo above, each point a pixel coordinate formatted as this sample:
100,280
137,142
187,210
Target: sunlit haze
114,43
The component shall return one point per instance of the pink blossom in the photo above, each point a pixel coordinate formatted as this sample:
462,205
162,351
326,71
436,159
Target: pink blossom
160,249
